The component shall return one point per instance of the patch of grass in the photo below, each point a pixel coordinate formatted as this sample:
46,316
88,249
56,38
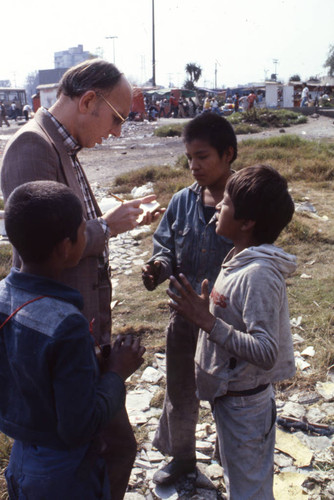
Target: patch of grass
5,449
5,260
246,128
265,117
295,158
172,130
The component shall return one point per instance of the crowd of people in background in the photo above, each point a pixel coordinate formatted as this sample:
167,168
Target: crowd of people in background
14,113
189,107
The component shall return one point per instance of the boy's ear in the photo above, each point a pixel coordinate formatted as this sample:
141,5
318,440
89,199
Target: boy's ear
247,225
229,153
62,249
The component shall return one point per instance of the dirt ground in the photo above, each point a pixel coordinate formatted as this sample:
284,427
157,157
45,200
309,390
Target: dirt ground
139,147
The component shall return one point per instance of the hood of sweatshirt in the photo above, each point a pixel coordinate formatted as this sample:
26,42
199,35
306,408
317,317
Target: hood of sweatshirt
270,255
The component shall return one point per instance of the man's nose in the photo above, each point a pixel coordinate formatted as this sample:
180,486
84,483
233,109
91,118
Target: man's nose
116,130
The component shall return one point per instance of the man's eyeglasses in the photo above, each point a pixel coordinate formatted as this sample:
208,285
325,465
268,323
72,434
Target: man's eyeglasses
121,118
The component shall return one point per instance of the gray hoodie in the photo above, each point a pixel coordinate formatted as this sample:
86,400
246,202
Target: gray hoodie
250,343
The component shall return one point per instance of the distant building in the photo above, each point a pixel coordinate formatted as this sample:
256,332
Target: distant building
4,83
46,76
46,95
62,61
71,57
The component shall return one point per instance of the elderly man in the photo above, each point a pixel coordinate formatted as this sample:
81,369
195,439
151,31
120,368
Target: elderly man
92,102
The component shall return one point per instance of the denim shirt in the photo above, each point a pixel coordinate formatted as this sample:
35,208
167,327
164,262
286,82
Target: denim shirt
184,242
51,392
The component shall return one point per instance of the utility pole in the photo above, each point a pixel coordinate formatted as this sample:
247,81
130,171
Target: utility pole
113,40
153,46
275,61
216,71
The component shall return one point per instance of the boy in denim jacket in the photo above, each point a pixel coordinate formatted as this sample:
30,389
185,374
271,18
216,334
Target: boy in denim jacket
186,241
54,399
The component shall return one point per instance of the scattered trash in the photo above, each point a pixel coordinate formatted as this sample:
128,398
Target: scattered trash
289,444
326,390
300,362
295,322
297,339
305,206
289,485
309,351
139,192
151,375
294,424
306,276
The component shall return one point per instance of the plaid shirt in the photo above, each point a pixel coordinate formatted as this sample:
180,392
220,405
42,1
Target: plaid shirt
72,148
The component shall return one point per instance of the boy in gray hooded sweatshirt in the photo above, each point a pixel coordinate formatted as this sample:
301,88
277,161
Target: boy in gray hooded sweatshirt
245,342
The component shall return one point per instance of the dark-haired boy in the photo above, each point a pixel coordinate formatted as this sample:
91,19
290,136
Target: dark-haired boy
53,400
186,241
245,342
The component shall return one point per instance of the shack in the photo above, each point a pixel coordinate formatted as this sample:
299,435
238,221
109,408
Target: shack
47,94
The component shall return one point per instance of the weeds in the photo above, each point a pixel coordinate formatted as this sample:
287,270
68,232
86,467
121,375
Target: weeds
273,118
295,158
5,260
173,130
249,122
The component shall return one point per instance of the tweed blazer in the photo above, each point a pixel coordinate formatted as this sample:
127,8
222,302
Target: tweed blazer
36,152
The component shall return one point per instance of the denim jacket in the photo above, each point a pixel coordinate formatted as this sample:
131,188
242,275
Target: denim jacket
183,242
51,392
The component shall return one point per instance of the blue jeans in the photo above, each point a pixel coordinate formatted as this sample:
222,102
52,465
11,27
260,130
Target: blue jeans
38,473
246,435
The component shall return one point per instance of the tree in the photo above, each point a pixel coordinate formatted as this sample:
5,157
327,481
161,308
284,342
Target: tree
295,78
32,81
195,72
330,61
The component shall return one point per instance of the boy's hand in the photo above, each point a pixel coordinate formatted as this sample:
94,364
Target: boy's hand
150,274
193,307
126,356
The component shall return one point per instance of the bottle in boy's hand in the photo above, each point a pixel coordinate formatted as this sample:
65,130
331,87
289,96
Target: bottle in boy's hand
150,274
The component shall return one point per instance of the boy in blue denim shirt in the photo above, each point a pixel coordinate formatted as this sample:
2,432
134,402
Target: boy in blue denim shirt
186,241
54,397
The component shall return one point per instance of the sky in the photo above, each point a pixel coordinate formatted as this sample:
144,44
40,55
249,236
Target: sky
234,42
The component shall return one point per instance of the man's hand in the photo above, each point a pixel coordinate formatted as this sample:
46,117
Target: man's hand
124,217
150,274
125,357
193,307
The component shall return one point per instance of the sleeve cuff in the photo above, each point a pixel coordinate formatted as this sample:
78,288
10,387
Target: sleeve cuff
105,227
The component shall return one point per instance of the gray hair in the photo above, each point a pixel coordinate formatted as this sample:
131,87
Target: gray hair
89,75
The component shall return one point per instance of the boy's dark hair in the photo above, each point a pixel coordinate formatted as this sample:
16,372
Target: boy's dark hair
260,193
214,129
40,214
94,74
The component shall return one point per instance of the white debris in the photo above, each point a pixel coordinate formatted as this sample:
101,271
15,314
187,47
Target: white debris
139,192
151,375
309,351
